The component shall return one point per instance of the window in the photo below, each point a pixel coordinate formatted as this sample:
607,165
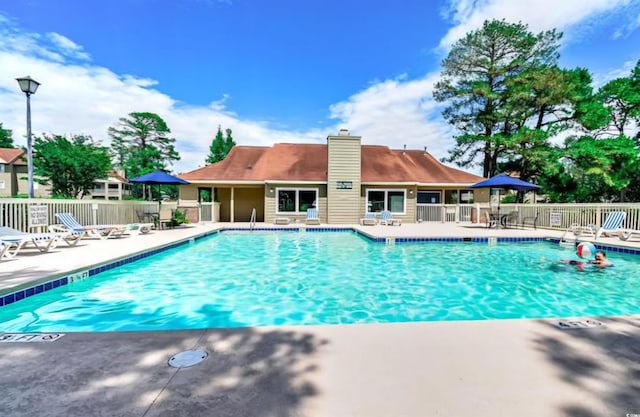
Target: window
296,200
428,197
2,168
391,200
2,186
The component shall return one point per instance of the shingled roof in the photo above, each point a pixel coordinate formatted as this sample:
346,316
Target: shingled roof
308,162
12,156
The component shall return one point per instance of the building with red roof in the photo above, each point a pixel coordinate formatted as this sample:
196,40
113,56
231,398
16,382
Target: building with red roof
342,179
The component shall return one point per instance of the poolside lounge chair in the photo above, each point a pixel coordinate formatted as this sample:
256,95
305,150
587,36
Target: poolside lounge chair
142,228
626,234
70,224
611,226
312,216
4,250
387,219
369,219
281,220
15,240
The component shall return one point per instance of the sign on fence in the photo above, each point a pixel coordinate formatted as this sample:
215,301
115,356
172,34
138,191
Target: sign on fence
555,219
38,216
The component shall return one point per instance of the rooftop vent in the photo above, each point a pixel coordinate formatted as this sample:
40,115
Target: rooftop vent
343,132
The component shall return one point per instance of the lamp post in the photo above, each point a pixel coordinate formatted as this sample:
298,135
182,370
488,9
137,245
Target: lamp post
29,86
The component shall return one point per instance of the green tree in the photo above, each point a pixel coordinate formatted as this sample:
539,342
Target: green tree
229,143
621,97
220,146
477,80
6,139
592,170
541,104
70,165
141,143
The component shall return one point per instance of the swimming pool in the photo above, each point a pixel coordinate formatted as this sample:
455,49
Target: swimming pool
272,278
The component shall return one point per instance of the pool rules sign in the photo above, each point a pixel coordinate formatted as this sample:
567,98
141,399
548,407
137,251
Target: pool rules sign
38,216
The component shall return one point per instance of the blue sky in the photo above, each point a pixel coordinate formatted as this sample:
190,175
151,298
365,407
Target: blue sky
272,71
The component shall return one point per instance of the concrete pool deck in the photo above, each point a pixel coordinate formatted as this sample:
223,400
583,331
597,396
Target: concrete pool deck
479,368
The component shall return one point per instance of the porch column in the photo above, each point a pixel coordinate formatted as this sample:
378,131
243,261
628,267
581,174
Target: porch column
443,207
231,206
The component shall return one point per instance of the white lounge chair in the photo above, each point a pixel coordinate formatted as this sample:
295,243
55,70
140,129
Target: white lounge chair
369,219
611,226
312,216
70,224
387,219
626,234
14,240
142,228
5,250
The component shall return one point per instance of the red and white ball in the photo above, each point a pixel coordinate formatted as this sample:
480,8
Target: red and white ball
586,250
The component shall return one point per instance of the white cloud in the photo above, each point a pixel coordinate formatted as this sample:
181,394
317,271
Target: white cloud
624,31
69,47
600,79
542,15
397,112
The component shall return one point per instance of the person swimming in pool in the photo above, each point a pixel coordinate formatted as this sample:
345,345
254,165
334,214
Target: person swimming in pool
599,260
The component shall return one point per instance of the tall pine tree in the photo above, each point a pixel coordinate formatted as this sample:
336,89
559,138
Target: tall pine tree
220,146
141,143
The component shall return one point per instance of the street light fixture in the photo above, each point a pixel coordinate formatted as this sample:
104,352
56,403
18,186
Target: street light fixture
29,86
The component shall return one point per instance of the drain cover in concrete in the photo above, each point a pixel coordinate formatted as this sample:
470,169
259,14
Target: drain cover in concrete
187,358
578,324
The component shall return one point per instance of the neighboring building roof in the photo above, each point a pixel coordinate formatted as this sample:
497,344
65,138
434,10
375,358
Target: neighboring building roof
11,156
308,162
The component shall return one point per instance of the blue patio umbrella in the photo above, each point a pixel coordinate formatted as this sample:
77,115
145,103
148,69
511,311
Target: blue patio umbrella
504,181
507,182
158,177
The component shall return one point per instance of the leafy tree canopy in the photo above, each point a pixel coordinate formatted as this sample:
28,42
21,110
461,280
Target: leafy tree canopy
489,81
220,146
6,139
592,170
141,143
621,97
71,165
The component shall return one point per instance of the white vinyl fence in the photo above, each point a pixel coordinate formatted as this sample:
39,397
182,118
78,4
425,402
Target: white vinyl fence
551,216
29,215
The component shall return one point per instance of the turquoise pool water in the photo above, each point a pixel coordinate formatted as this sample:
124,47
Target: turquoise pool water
258,279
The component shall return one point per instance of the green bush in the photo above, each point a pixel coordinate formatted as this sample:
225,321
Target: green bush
179,217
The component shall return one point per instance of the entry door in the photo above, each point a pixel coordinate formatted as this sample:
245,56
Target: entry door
205,198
